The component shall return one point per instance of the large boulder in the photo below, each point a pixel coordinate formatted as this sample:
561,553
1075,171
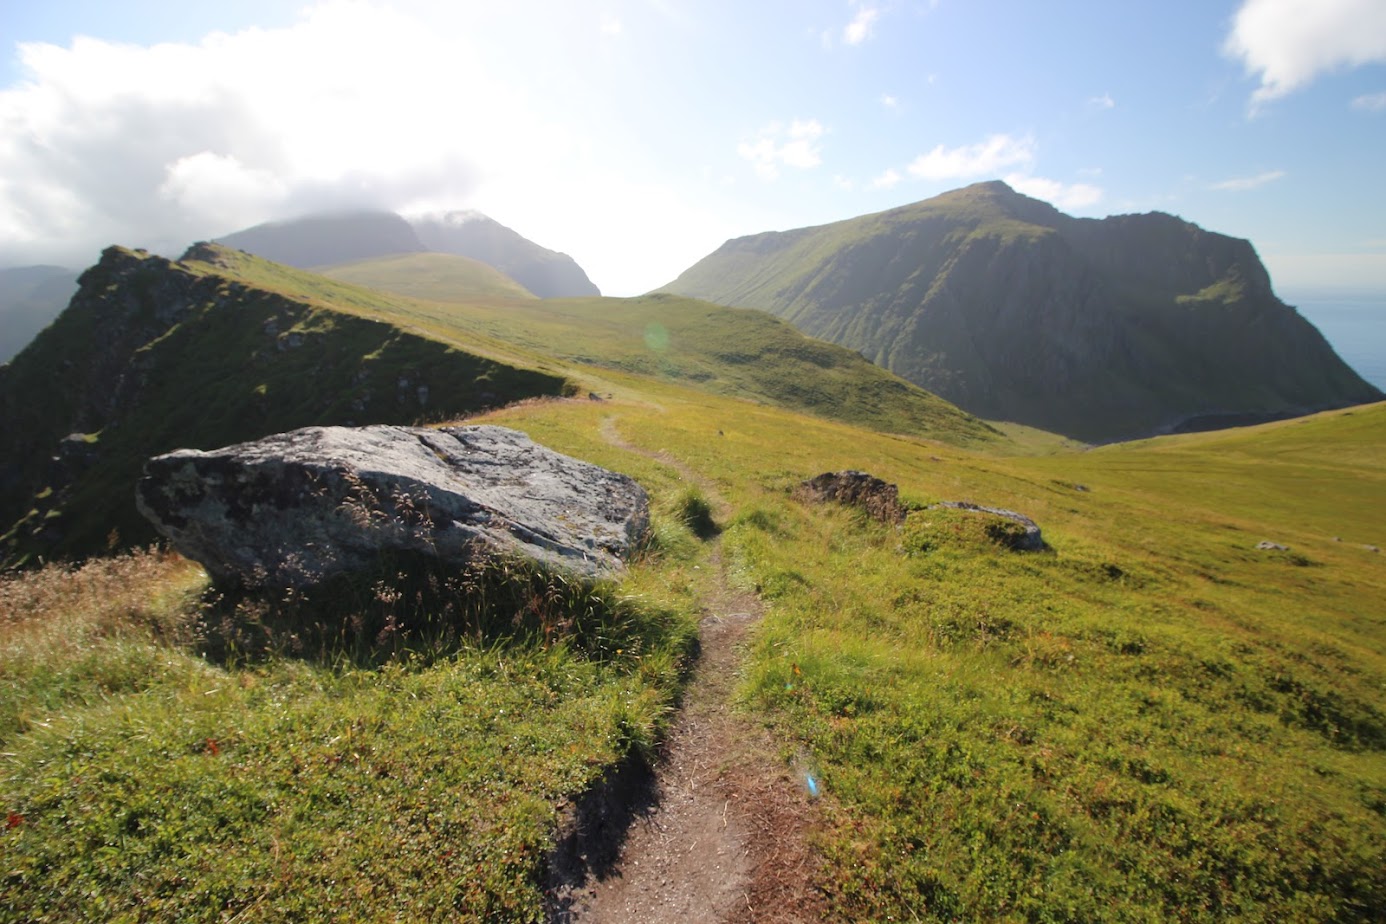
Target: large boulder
297,508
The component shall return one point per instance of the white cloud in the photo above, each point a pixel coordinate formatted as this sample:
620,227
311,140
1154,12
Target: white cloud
1104,101
779,146
1066,196
889,101
985,158
1243,183
844,183
158,146
1370,102
861,26
1288,43
611,25
886,180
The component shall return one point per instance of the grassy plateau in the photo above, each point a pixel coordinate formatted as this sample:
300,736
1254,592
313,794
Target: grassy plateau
1150,720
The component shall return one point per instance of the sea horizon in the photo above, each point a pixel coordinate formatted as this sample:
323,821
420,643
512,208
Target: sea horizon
1354,323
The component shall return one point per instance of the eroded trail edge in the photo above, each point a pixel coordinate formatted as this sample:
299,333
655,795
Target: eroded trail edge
719,832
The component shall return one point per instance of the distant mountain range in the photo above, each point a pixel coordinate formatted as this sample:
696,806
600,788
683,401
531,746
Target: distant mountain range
331,240
544,272
1097,329
446,256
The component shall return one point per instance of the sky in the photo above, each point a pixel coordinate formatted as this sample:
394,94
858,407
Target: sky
638,135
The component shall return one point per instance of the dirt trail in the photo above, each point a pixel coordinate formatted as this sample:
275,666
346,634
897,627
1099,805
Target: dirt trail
722,833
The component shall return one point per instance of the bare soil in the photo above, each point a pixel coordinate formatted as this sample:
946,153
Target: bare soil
720,832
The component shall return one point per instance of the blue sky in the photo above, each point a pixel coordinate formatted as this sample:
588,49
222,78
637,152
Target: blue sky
637,135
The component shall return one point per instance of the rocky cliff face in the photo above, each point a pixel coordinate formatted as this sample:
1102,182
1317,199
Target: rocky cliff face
1098,329
153,355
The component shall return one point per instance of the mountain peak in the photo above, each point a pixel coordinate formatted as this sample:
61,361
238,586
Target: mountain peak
1099,329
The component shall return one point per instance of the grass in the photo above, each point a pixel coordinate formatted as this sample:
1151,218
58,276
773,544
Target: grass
437,276
172,757
1152,720
726,351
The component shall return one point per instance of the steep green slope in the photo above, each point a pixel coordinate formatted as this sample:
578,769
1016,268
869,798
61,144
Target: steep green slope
153,355
727,351
442,277
224,346
1100,330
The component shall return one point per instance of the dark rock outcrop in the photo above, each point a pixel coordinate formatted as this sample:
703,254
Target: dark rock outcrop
880,499
297,508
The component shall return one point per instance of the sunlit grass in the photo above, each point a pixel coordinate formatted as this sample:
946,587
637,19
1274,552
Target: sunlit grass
1152,720
368,779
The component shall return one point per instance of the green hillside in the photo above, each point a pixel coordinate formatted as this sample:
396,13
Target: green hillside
223,346
1152,719
439,277
154,355
726,351
1098,329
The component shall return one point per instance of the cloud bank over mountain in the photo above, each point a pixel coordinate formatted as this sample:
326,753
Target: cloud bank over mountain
172,142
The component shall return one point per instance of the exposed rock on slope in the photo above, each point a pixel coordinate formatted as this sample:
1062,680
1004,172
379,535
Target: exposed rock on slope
294,509
546,273
153,354
1096,329
880,499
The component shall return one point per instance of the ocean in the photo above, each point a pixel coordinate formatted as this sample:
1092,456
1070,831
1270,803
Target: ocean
1355,325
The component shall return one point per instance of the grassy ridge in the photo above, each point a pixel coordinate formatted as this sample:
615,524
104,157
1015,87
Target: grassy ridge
440,277
1151,721
237,363
722,350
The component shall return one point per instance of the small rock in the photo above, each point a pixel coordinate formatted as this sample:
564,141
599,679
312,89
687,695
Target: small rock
1268,546
878,498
